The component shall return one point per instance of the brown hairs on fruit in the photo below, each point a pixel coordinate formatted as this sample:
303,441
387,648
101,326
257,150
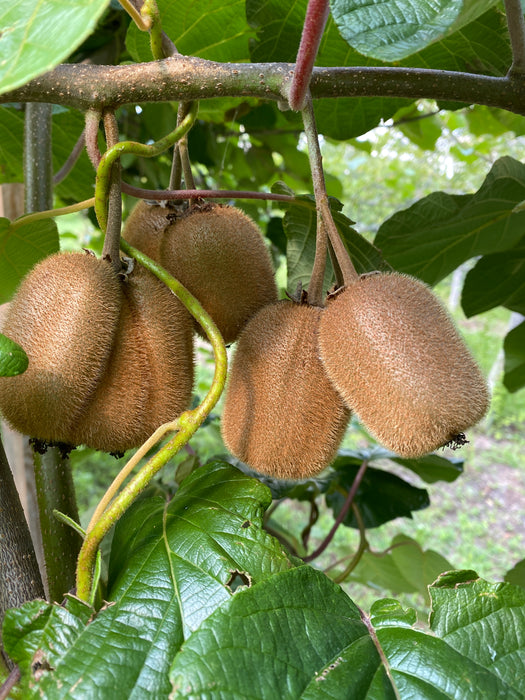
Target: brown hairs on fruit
281,414
109,360
65,316
397,359
219,255
144,228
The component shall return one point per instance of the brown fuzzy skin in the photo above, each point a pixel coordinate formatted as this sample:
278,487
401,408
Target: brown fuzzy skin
220,256
281,414
66,308
396,358
149,377
109,360
144,228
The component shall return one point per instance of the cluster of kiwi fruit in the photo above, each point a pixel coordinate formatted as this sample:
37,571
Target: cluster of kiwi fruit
381,345
111,352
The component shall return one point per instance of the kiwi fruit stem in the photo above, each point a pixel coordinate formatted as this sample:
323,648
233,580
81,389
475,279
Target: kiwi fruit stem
187,424
326,226
111,249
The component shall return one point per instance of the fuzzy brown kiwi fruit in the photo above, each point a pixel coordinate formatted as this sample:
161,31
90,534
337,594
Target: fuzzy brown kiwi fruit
397,359
217,252
281,414
149,377
65,315
109,359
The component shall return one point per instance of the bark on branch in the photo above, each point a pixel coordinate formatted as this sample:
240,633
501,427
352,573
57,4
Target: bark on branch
188,78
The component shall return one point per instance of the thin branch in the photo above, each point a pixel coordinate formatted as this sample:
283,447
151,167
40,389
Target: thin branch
188,78
10,682
342,513
71,160
516,25
165,195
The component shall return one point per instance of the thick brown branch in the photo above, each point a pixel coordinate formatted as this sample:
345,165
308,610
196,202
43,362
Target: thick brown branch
188,78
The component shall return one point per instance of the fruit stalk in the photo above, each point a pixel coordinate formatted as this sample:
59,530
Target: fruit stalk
111,249
187,424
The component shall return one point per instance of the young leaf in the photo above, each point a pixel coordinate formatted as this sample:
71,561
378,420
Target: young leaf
13,359
390,32
36,36
405,568
514,346
435,235
22,249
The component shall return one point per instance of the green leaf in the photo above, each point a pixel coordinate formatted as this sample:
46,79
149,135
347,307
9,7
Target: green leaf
21,249
514,346
381,496
278,639
11,145
392,31
496,280
516,575
13,359
435,235
36,36
172,565
405,568
422,129
432,468
218,33
484,622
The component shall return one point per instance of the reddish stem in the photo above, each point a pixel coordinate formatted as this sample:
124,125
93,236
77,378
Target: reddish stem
314,23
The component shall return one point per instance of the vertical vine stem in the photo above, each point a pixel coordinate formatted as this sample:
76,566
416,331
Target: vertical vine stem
186,424
325,222
53,478
516,26
111,249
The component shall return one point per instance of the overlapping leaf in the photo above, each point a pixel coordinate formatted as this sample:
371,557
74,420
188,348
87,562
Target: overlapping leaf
392,31
21,249
36,36
439,232
496,280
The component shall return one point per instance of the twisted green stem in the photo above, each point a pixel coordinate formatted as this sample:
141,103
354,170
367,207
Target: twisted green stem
187,424
138,149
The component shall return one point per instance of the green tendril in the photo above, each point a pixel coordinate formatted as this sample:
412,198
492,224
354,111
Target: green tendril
187,424
138,149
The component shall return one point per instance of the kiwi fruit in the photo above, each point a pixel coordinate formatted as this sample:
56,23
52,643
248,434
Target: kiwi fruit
281,414
110,359
397,359
65,316
217,252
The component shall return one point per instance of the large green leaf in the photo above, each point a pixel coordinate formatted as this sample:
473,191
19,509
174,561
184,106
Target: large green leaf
218,31
514,346
484,622
11,145
172,564
21,249
36,36
435,235
405,568
275,640
392,31
496,280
